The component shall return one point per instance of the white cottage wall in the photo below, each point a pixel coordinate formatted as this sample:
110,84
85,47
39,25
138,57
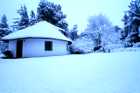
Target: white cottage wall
12,47
36,47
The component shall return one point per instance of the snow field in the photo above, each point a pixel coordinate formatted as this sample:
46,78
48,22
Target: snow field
89,73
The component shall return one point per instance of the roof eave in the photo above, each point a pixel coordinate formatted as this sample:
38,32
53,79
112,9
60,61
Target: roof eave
4,39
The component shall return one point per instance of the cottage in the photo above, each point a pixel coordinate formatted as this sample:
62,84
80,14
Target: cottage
41,39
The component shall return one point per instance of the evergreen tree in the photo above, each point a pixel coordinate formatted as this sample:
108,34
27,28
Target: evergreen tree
33,18
124,32
51,13
23,21
4,28
73,33
132,22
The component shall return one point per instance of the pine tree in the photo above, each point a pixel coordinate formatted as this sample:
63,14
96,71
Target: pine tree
51,13
73,33
132,22
33,18
4,28
124,32
23,21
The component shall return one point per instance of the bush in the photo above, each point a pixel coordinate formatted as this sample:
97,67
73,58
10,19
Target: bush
74,50
8,54
136,45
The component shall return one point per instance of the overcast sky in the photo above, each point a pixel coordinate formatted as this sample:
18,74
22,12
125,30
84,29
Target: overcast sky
77,11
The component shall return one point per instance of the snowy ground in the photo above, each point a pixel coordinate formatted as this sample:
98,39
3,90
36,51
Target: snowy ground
90,73
126,50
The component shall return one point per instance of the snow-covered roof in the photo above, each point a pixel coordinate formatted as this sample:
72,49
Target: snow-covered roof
42,29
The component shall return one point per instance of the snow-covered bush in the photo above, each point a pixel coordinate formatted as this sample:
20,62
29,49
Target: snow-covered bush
126,43
112,47
4,52
137,45
84,44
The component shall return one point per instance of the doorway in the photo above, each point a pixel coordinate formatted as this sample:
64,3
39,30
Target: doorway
19,48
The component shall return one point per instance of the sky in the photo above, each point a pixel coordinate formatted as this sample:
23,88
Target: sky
77,11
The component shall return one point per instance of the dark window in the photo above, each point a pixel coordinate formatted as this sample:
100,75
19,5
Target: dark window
48,45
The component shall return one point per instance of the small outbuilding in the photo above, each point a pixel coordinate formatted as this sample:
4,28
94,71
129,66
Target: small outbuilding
41,39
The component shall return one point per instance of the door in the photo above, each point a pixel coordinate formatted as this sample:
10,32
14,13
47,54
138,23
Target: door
19,48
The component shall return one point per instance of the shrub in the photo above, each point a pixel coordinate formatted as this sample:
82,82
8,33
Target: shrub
8,54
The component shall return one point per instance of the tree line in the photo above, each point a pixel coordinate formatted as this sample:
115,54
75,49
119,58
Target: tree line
100,34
